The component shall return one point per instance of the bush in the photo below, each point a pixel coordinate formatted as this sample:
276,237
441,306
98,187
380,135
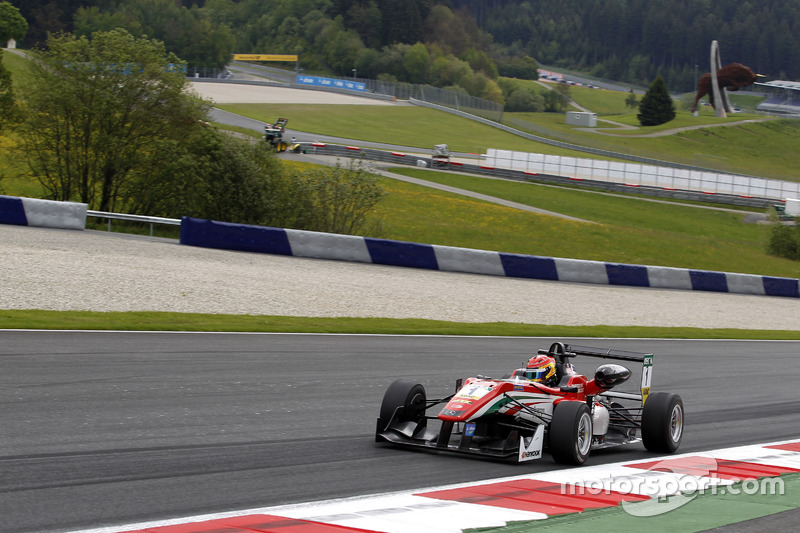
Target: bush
228,179
784,240
339,198
525,100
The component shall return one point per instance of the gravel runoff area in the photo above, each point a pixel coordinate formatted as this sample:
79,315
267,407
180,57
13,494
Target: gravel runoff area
97,271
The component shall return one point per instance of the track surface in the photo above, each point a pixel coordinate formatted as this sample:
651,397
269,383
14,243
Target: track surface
111,428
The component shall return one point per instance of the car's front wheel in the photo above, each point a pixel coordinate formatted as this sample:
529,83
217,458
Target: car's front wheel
570,433
403,401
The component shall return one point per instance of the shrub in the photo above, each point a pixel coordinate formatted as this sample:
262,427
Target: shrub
339,198
784,240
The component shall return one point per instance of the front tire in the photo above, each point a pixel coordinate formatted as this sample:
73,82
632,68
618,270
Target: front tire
662,422
571,433
403,401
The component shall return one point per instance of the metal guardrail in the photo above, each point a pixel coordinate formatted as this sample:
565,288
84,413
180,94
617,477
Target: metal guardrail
134,218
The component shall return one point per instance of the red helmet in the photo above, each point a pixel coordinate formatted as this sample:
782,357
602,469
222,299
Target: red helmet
541,369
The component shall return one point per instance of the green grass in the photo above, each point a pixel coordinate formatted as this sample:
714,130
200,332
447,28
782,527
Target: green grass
763,149
155,321
760,149
627,229
410,126
601,101
19,67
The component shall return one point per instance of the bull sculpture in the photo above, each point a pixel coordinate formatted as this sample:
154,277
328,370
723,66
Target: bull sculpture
733,77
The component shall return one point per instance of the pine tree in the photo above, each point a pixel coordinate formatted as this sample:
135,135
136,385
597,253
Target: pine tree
656,106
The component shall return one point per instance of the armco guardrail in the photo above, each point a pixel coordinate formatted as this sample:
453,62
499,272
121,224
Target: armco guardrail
241,237
399,158
134,218
42,213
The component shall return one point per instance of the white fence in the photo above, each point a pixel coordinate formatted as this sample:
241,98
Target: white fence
636,174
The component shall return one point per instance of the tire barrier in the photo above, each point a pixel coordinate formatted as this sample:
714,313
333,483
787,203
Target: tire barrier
260,239
42,213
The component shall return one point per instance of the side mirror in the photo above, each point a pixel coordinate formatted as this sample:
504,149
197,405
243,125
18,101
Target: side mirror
608,376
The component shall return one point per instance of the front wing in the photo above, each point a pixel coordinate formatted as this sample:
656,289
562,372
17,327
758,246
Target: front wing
462,438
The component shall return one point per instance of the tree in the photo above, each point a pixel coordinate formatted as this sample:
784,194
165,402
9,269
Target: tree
12,24
416,63
557,100
100,113
631,101
656,106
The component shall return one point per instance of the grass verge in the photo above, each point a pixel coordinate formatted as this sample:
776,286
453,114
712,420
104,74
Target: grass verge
628,230
161,321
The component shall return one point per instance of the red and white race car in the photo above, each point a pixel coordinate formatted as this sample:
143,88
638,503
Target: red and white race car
544,405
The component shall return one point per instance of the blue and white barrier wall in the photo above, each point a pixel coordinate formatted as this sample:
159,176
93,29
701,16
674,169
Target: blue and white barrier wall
211,234
42,213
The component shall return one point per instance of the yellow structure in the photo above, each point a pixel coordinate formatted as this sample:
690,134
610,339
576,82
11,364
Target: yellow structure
264,57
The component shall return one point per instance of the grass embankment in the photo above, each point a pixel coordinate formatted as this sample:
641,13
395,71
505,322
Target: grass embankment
764,149
410,126
628,230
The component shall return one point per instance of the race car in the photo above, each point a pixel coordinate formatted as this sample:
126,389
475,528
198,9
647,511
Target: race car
273,134
545,404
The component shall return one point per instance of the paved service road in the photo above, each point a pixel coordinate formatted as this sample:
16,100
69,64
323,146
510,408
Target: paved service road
112,428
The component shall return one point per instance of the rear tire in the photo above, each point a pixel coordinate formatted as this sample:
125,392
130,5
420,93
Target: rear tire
406,395
570,433
662,422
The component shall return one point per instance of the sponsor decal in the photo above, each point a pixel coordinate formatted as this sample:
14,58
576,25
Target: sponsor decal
530,448
519,387
331,82
456,406
469,430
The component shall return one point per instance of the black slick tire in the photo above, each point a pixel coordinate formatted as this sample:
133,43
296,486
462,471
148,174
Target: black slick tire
406,395
662,422
570,433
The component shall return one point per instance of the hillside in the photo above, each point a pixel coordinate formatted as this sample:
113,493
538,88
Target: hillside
455,43
633,40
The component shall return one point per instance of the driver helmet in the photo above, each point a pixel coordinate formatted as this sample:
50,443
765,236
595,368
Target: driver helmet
541,369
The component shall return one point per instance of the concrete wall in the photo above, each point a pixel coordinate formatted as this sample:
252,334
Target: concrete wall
211,234
42,213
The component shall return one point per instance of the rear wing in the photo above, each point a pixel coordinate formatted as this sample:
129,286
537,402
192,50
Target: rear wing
561,351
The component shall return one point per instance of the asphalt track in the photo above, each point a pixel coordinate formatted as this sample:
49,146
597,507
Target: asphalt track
102,429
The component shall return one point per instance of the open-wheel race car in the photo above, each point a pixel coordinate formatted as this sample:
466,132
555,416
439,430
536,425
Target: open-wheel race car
543,405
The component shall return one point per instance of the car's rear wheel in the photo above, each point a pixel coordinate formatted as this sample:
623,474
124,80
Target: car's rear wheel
570,433
662,422
403,401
